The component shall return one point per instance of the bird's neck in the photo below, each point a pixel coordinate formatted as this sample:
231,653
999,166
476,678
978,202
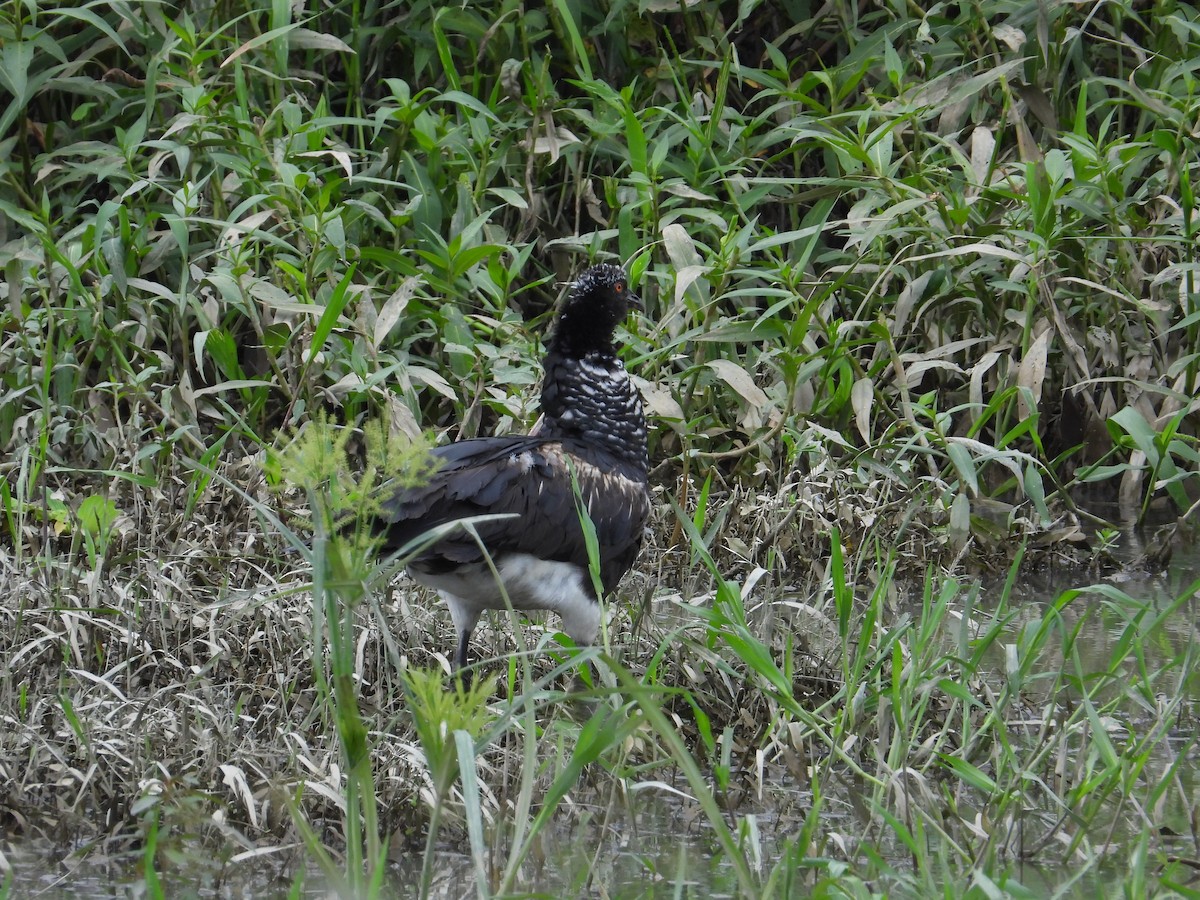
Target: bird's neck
590,398
572,341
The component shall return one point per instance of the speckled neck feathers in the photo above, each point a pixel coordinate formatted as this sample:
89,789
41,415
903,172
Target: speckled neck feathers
586,392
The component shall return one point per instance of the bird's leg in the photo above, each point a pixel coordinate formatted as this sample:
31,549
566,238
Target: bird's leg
460,658
465,617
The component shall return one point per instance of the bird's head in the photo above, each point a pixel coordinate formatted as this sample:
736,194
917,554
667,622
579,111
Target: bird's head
599,300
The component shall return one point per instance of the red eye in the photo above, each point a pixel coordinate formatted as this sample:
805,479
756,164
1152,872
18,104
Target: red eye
619,287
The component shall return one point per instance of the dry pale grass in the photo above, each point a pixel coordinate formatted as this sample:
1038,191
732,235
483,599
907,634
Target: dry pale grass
177,677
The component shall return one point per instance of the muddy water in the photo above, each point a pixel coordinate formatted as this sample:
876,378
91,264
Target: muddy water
1114,606
644,849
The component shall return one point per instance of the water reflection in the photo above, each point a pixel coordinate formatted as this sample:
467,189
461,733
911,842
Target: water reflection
1158,607
651,844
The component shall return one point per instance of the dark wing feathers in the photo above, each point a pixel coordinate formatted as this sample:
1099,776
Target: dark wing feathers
528,476
466,472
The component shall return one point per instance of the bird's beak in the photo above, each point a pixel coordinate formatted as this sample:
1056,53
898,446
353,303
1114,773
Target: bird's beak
634,301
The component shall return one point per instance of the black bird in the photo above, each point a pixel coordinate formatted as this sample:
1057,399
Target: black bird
592,424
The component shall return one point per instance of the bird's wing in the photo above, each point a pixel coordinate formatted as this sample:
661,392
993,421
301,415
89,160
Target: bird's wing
528,476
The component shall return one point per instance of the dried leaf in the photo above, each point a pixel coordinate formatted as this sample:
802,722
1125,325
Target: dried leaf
967,249
307,39
401,419
235,779
862,396
552,142
1032,371
975,391
392,309
350,382
1013,37
915,371
685,277
661,402
431,379
233,384
341,157
983,149
680,247
913,291
960,520
741,381
681,189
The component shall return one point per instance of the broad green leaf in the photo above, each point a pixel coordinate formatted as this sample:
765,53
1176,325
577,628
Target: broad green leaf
96,515
964,465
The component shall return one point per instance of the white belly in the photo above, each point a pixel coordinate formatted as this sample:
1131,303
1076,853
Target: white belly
530,583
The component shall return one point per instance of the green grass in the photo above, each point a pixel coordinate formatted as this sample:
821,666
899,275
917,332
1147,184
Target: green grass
917,282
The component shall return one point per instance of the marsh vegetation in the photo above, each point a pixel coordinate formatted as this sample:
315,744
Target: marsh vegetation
921,299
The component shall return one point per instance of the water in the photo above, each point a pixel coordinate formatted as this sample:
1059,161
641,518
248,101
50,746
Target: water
647,847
